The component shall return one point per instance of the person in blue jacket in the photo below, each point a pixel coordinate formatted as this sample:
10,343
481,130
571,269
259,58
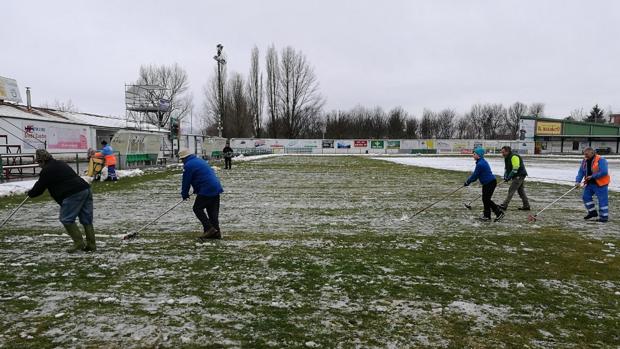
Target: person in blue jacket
200,176
110,160
483,173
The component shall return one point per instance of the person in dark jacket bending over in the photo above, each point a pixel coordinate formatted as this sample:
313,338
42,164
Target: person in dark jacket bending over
515,173
72,193
228,154
200,176
487,179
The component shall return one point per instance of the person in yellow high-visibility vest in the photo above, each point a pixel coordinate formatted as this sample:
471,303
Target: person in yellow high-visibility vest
95,164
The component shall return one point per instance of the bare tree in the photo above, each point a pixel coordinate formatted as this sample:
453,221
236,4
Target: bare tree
537,109
445,123
298,95
62,106
212,107
396,127
428,124
255,92
272,68
238,122
173,80
493,118
515,112
576,114
464,128
412,128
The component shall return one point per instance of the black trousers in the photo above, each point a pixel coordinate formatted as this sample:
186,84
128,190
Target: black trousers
210,204
487,199
228,163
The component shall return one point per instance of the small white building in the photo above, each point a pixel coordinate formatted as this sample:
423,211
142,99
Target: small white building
24,129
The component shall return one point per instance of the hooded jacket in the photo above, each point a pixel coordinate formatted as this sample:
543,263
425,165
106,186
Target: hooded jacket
482,172
200,176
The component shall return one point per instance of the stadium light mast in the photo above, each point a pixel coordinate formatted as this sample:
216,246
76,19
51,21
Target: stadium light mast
221,61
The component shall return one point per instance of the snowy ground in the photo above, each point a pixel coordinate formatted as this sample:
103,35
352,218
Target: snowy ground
21,187
548,170
318,252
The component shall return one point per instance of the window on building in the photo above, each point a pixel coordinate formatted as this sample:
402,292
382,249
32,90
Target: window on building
575,145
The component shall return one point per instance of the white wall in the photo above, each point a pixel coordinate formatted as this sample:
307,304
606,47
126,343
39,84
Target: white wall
382,146
60,137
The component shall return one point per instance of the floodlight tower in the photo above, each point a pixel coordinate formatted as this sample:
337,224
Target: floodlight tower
221,61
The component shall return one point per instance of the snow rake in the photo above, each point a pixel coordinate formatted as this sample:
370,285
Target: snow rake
438,201
468,205
533,218
14,211
135,233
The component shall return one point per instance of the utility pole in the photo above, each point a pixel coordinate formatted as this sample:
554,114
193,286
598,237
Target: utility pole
221,61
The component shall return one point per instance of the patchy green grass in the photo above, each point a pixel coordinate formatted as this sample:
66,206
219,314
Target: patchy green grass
318,251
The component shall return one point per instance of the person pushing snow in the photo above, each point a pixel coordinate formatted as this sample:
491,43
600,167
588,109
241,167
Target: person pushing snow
483,173
72,193
514,173
594,172
200,176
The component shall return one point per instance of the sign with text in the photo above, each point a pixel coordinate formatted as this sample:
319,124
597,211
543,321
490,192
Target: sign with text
55,136
548,128
360,143
328,143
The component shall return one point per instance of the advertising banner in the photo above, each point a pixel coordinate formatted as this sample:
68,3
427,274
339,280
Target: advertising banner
57,137
393,144
328,143
303,143
527,129
343,144
548,128
409,144
377,144
360,143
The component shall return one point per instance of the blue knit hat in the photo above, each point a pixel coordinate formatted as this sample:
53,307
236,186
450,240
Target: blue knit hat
479,151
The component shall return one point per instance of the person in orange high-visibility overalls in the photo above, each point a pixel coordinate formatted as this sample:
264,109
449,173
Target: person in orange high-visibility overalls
110,161
594,172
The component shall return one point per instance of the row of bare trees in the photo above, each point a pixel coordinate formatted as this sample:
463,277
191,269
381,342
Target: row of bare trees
288,104
290,90
483,121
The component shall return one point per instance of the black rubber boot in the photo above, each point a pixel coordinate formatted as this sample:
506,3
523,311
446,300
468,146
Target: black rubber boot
591,214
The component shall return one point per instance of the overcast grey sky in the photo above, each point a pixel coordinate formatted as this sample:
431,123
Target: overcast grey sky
417,54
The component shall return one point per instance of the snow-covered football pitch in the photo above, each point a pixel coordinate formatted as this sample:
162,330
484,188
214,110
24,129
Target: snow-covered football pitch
317,252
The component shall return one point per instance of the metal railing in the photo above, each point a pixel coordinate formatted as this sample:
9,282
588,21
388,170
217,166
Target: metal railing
76,160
